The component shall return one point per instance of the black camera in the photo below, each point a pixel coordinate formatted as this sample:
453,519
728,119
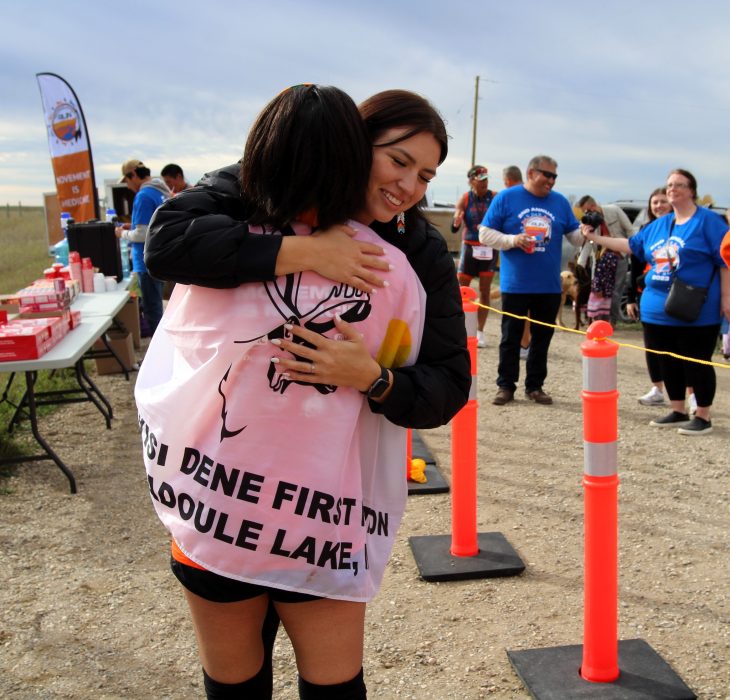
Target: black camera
592,219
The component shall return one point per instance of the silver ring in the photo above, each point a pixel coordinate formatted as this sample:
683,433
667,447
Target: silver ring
312,368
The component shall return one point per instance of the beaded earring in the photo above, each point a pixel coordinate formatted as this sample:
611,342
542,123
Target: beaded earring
400,221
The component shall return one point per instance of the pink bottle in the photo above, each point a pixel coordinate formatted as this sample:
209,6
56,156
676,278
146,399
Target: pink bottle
87,275
74,266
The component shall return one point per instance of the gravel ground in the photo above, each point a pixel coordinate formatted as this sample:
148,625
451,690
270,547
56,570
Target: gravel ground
90,609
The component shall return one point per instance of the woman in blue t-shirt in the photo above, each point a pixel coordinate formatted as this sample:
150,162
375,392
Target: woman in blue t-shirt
687,244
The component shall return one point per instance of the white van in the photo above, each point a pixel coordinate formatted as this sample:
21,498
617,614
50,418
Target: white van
441,215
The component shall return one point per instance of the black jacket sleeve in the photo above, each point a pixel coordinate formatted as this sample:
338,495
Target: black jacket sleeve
200,237
430,392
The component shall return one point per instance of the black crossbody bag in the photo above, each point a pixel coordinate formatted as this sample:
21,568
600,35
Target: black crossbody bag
685,301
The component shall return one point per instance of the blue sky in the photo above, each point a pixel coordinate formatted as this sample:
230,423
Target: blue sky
617,92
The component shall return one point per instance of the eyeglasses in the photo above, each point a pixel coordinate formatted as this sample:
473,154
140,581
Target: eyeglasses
677,185
547,174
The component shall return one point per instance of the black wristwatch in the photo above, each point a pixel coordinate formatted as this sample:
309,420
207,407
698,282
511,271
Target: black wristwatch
379,386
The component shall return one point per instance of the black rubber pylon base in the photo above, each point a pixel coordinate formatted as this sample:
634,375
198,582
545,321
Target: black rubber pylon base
436,563
435,482
554,674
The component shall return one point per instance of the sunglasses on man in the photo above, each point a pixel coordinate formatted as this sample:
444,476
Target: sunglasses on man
547,174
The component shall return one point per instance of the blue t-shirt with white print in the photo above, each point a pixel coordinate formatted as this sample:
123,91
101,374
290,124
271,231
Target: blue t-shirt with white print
693,248
515,210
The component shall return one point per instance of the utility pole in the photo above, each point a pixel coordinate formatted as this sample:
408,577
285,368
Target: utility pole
474,128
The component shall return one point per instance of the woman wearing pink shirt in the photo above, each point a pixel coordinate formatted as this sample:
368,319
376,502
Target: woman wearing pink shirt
272,411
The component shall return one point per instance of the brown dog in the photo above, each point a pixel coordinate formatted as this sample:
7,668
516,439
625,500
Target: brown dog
575,285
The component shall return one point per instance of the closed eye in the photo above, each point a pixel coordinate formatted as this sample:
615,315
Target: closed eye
402,164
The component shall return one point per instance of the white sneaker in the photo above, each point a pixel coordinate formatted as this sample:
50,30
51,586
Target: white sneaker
692,404
481,340
654,398
524,352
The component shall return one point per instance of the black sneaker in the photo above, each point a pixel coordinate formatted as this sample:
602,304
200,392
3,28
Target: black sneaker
672,420
697,426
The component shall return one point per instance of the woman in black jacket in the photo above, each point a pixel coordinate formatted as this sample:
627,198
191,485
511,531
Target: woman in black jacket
200,237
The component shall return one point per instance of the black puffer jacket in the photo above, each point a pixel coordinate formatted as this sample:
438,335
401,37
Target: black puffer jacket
199,237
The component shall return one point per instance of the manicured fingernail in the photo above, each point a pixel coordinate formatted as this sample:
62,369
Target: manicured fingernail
275,360
391,267
386,283
276,341
288,326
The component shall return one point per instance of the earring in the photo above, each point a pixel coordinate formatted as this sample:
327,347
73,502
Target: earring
400,221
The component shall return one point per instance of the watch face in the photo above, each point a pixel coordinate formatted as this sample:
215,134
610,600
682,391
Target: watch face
378,388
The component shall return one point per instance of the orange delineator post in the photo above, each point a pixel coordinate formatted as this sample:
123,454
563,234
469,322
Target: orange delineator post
600,484
464,449
409,452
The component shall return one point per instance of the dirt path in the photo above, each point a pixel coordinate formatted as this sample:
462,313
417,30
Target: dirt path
89,609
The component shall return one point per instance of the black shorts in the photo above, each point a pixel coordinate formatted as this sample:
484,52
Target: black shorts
469,265
219,589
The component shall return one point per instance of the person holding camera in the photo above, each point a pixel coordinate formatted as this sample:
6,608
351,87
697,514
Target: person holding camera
609,276
683,249
527,222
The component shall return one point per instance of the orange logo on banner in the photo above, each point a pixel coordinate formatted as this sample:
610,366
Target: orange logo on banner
65,122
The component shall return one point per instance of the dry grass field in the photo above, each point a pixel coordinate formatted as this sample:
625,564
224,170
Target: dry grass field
24,256
24,246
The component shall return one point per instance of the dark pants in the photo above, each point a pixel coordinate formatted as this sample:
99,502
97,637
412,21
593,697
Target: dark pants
151,298
653,362
698,342
541,307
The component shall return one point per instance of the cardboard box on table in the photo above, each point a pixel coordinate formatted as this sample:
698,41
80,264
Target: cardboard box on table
122,344
128,318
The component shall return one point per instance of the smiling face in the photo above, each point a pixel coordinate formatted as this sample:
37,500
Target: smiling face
540,181
679,190
400,173
659,205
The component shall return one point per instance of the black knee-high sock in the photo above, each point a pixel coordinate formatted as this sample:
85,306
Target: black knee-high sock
261,686
354,689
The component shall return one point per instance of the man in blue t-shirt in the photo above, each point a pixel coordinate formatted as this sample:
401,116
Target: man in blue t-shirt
527,222
150,193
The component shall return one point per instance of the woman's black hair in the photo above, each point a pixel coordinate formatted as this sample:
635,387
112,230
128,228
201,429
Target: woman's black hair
308,149
397,109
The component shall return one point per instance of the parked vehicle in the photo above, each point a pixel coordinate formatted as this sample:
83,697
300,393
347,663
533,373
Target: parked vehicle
441,215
